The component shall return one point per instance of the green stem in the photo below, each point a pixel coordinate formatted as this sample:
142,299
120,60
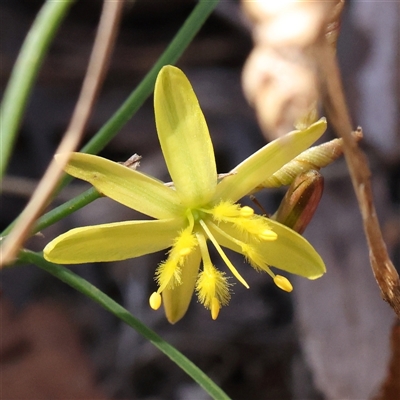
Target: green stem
24,73
61,211
86,288
66,209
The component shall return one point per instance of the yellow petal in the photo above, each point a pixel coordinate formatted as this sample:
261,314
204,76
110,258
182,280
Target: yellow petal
176,301
269,159
184,137
112,242
290,252
130,188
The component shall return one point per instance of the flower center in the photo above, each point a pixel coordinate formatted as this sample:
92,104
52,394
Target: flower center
197,214
237,228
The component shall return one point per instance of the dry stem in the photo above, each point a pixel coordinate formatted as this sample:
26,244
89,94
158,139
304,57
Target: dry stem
338,115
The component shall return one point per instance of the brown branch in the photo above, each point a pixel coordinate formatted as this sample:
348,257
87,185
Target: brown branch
338,115
98,63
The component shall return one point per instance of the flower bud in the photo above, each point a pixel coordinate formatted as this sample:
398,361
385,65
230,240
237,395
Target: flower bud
300,201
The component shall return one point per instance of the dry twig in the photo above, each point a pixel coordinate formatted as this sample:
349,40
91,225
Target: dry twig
338,115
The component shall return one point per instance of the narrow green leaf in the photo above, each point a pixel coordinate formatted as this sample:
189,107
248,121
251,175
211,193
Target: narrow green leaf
69,207
24,73
60,212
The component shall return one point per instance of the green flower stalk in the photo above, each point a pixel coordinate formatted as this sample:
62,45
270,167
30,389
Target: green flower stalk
197,209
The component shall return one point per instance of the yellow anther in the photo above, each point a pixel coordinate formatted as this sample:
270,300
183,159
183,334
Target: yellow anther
223,256
267,234
215,307
283,283
155,301
225,210
246,212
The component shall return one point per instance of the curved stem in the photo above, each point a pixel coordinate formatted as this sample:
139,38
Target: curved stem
335,105
66,209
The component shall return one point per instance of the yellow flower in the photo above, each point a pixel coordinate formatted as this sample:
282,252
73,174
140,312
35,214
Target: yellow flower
198,208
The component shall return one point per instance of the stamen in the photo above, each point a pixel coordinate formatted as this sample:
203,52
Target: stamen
283,283
223,255
257,227
226,235
168,273
215,307
155,301
205,255
252,256
183,245
212,286
225,210
246,212
268,235
255,259
244,220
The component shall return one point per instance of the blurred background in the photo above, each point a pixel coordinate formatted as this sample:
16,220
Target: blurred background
328,339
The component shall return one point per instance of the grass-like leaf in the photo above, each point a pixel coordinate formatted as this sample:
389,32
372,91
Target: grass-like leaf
24,73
